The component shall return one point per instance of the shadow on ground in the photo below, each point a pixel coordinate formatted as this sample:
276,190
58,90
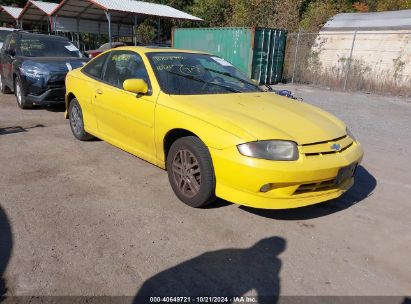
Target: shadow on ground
6,244
17,129
58,107
227,272
363,187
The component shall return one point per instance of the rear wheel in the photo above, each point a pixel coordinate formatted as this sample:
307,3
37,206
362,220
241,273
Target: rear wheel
20,95
3,88
77,122
190,172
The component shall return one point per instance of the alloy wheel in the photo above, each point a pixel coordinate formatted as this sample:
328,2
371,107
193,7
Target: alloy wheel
18,93
76,119
186,173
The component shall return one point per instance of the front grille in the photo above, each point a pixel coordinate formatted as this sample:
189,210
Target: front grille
324,185
326,147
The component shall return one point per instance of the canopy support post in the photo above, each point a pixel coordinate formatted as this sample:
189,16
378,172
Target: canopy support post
78,33
50,24
99,34
110,38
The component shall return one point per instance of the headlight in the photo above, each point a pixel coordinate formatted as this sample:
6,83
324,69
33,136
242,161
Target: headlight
349,133
33,72
270,150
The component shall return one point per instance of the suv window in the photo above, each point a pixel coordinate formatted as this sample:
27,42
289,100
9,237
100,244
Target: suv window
6,42
12,44
95,67
123,65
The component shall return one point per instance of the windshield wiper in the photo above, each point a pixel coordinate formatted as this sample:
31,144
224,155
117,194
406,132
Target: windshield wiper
205,82
234,77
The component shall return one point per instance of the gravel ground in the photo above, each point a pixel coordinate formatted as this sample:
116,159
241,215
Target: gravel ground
89,219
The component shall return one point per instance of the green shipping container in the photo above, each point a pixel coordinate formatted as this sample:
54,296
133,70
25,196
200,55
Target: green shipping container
258,52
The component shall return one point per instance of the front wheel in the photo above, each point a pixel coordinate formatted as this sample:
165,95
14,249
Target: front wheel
190,172
20,96
77,122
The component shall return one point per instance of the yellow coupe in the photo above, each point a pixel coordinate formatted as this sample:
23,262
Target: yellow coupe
215,131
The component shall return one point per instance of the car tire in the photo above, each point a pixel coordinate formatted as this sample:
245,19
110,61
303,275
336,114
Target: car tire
20,95
3,88
77,122
190,172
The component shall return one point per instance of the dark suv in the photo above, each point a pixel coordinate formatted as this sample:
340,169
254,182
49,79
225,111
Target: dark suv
34,67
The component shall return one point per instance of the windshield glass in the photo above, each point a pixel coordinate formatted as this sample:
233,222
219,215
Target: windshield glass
198,74
32,46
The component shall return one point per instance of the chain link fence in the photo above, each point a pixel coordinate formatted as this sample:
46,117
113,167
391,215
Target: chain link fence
376,62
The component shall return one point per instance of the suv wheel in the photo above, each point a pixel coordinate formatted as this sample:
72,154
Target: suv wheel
3,88
20,96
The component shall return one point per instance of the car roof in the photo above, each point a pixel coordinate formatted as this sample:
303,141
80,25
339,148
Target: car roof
155,49
34,35
9,29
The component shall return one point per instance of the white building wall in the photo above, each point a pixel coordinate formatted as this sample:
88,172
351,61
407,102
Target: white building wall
385,54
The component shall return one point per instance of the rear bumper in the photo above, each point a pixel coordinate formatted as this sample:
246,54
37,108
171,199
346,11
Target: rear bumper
240,179
51,96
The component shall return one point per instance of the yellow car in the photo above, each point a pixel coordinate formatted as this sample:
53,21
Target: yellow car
215,131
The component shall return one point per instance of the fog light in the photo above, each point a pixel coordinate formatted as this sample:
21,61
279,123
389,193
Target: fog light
265,188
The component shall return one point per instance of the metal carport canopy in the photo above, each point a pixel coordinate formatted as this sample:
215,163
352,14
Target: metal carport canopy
10,14
37,11
117,11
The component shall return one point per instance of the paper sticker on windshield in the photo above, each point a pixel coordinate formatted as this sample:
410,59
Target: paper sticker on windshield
71,48
221,61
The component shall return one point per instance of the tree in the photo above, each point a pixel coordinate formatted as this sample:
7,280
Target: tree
213,12
318,12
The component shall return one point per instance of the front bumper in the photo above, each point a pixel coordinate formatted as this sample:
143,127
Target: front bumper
50,96
290,184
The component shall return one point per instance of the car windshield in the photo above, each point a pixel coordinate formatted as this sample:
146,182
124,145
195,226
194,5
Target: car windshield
198,74
32,46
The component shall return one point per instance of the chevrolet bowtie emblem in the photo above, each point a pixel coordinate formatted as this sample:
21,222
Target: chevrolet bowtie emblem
336,147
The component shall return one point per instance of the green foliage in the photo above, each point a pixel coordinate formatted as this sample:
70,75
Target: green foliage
146,31
319,11
214,12
288,14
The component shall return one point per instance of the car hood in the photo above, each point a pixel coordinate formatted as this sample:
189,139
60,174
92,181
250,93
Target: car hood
262,116
55,64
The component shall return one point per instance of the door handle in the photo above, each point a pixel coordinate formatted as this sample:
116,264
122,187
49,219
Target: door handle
98,91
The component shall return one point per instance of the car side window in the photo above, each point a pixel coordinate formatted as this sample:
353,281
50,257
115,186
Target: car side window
6,42
123,65
95,67
12,44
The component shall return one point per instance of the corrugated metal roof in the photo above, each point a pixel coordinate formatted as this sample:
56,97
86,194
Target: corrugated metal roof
14,12
36,10
145,8
46,7
392,20
94,9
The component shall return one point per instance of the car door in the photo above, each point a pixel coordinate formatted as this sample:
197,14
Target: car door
8,55
124,118
86,91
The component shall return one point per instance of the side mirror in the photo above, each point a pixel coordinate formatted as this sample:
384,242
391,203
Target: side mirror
138,86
